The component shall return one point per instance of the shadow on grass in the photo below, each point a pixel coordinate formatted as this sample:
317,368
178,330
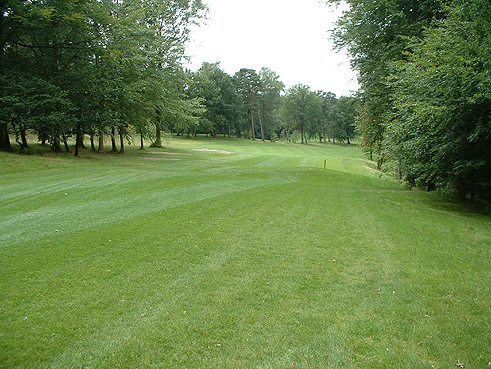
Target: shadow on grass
449,203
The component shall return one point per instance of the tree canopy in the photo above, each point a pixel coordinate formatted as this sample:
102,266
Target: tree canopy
93,67
424,72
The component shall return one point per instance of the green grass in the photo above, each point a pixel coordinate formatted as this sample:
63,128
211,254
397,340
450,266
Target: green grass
227,261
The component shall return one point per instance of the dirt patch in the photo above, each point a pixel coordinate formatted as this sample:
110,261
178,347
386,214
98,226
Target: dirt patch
159,159
215,151
168,153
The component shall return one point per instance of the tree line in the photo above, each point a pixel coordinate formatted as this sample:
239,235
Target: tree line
255,104
95,67
425,98
114,68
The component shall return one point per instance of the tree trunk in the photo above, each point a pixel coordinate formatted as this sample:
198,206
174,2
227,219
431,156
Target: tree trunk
80,139
252,125
65,141
458,184
261,124
371,155
17,135
229,131
113,139
77,142
471,189
23,137
237,132
101,142
4,137
158,139
349,143
142,147
92,144
158,128
302,133
121,139
55,146
380,160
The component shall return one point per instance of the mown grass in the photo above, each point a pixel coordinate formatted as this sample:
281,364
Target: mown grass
258,259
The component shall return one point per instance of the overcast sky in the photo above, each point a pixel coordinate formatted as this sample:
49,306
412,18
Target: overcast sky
288,36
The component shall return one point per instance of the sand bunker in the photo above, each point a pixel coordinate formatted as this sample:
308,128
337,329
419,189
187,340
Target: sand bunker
168,153
161,159
215,151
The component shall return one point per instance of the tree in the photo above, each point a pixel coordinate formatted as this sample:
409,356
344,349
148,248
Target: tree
105,63
326,127
205,85
248,85
441,128
302,109
45,43
376,34
344,117
269,101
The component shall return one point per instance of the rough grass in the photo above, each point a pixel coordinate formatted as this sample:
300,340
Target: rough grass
256,259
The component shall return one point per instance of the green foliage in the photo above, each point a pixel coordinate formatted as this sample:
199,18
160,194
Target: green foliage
34,103
112,63
376,33
441,131
302,110
344,115
270,101
248,85
216,88
424,72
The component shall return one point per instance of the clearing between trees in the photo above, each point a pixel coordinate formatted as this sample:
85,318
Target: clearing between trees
255,259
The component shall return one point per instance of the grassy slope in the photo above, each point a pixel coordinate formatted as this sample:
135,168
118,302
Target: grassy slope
226,261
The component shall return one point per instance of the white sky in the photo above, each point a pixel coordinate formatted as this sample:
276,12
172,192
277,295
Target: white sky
288,36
